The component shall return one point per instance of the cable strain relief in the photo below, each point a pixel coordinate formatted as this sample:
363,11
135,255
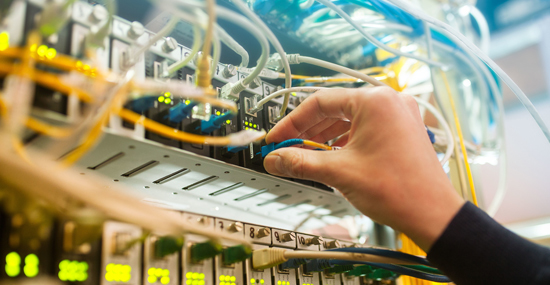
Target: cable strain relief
293,58
238,87
268,257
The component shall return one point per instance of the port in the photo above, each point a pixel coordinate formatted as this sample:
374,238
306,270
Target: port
280,270
223,258
306,273
121,243
273,113
249,102
328,275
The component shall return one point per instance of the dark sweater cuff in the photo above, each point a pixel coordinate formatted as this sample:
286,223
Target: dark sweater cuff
475,249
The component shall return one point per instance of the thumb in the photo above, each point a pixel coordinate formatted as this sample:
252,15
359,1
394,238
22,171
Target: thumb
300,163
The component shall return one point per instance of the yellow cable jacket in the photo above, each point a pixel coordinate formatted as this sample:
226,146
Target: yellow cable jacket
170,132
461,138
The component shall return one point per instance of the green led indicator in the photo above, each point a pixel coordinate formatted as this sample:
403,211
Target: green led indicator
161,99
246,123
31,265
218,113
255,126
262,281
73,270
228,122
13,264
167,100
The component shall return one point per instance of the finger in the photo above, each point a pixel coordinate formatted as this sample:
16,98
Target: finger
342,141
301,163
334,131
336,103
321,126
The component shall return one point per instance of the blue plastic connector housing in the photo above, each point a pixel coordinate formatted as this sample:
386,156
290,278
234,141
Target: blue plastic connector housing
266,149
235,149
292,263
317,265
431,135
180,112
215,122
143,104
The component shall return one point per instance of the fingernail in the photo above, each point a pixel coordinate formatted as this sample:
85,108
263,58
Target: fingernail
273,163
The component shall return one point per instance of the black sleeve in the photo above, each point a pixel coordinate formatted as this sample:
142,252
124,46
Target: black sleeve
475,249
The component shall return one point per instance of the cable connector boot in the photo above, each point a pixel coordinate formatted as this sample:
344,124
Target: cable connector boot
180,112
231,91
317,265
267,258
142,104
215,122
293,263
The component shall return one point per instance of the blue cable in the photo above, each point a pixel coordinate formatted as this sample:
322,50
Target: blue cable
397,269
289,143
386,253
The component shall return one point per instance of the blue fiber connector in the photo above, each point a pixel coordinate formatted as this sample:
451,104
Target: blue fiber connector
235,149
266,149
215,122
143,104
293,263
180,112
431,135
318,265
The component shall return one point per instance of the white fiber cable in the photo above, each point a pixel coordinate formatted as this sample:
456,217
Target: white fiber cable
233,45
295,59
281,92
444,125
484,33
465,44
372,39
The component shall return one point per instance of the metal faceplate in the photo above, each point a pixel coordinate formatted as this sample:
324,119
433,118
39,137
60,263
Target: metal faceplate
172,178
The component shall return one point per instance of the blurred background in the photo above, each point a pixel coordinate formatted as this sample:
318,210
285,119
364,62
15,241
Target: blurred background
520,44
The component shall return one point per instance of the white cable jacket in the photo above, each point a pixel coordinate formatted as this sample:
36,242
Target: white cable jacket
444,125
341,69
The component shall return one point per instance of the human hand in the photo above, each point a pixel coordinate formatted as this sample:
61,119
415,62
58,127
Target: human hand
387,167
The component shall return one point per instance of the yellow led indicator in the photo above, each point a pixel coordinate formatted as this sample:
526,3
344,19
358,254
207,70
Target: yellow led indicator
227,278
246,128
223,283
41,50
222,277
294,94
118,272
31,265
73,270
4,41
279,282
187,102
252,281
262,281
161,99
228,122
233,278
13,263
246,123
255,126
51,53
162,275
167,94
167,100
218,113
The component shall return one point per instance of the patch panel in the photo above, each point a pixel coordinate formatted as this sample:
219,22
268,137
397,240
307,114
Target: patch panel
25,245
228,272
157,267
77,253
121,254
198,272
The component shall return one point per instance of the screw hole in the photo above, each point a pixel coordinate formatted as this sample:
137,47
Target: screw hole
198,164
277,185
320,197
82,173
300,191
146,187
226,172
175,193
166,156
200,199
252,179
131,147
116,180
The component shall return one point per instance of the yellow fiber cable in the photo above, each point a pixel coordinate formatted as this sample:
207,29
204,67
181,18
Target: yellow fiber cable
171,132
461,138
317,145
46,129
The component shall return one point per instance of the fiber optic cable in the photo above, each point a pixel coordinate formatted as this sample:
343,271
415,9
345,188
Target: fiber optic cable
461,138
400,270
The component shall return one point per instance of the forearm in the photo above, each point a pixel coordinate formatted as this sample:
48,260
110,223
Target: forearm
475,249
